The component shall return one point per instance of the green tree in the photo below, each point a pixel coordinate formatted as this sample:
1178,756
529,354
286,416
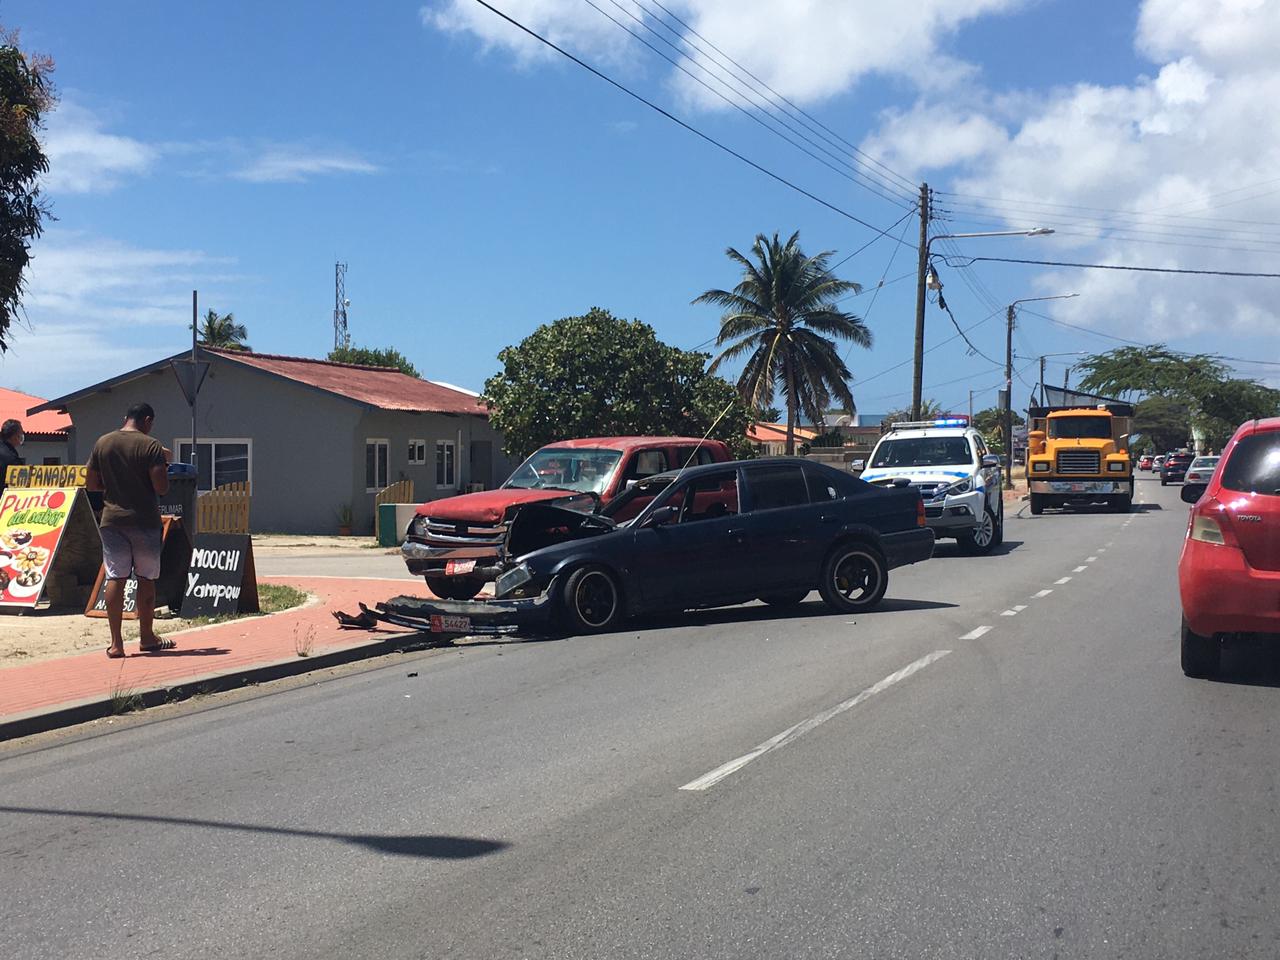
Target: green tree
1164,421
990,423
782,316
222,330
600,375
1150,370
26,95
928,410
770,415
372,357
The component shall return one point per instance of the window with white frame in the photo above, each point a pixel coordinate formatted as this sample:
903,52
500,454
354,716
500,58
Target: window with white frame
377,457
446,465
218,460
417,451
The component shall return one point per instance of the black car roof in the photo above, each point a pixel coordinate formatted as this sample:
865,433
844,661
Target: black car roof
705,468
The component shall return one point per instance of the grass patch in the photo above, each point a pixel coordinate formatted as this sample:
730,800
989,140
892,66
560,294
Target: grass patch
272,598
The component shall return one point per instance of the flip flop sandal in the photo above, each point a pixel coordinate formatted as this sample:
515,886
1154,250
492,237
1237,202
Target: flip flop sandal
113,655
164,644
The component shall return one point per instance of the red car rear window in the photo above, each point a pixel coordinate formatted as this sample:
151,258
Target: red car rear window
1254,465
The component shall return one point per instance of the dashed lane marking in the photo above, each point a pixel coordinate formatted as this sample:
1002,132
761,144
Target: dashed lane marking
976,632
1041,594
1091,559
1062,581
1081,569
804,726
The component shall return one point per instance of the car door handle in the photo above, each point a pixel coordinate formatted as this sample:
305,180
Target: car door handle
736,531
828,518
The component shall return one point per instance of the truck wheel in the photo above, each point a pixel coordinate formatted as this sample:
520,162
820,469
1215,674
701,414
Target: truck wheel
1201,656
1037,504
790,599
982,538
592,601
455,588
1122,504
854,578
1000,522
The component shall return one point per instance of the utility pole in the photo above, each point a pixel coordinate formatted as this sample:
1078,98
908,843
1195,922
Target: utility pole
341,338
922,270
1066,377
971,407
195,456
1042,381
1008,400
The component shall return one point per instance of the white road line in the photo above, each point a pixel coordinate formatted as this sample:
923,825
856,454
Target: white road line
975,633
1063,580
804,726
1091,559
1081,569
1008,613
1019,607
1041,594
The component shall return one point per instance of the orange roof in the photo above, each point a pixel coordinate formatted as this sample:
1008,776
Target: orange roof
14,405
762,432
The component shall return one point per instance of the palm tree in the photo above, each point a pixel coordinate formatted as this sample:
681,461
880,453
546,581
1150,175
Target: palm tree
783,314
222,331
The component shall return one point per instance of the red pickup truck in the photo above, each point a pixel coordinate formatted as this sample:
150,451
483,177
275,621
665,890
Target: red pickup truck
460,543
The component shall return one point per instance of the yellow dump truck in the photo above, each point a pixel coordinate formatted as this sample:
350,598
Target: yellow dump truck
1080,455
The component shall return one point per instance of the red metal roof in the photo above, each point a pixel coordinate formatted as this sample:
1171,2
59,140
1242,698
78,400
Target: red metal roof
626,444
761,432
15,405
383,387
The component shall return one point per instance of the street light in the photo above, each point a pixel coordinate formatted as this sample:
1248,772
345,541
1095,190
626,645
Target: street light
1008,381
926,278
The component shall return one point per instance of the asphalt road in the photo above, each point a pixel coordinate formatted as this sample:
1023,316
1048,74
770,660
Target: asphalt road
987,770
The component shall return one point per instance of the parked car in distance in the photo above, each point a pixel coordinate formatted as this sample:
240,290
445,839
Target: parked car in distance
1145,461
457,543
1174,468
1229,570
713,535
1201,469
1158,462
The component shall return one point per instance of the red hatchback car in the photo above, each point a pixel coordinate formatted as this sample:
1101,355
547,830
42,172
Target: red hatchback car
1229,571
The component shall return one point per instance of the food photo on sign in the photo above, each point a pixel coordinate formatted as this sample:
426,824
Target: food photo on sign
31,524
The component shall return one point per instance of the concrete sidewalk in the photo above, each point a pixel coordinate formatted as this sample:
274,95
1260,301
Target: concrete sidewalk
52,693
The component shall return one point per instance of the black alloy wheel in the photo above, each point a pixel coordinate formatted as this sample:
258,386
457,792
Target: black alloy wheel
592,600
854,578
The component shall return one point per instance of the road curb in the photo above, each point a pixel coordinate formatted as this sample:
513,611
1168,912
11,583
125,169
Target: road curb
41,721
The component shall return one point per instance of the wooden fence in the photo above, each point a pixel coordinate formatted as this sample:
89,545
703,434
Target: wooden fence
399,492
224,509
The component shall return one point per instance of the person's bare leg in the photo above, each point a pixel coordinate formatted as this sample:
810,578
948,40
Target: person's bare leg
115,616
145,600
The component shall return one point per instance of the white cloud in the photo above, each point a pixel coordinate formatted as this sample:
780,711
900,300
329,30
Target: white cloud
293,164
1170,151
85,159
805,49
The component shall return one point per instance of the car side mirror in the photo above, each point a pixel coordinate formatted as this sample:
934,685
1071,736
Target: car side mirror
661,516
857,464
991,460
631,483
1191,492
901,482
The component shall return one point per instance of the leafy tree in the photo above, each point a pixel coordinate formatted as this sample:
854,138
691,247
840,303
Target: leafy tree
990,423
928,410
1164,421
783,317
372,357
1149,370
26,95
600,375
1226,405
770,415
222,330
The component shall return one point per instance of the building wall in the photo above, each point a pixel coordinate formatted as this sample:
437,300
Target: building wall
299,437
37,451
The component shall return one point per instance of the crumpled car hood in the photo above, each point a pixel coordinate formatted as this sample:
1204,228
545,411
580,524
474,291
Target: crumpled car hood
491,506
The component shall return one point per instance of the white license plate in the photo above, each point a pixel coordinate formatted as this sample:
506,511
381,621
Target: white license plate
1077,488
457,568
446,624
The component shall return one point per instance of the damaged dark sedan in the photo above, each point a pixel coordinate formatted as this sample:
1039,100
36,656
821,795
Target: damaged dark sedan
707,536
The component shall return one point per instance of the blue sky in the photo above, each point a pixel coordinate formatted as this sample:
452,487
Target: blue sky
477,188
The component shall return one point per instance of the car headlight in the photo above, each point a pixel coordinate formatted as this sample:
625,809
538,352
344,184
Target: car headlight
960,486
1116,466
1041,466
418,527
515,578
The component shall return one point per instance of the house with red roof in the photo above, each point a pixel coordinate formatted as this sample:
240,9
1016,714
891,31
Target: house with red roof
311,436
48,433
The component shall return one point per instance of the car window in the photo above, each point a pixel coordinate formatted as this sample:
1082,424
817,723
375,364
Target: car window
922,452
693,456
777,485
646,463
824,486
706,498
982,447
1254,465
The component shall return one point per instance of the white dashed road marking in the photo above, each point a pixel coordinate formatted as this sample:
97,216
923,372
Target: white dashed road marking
804,726
1063,580
975,633
1081,569
1041,594
1091,559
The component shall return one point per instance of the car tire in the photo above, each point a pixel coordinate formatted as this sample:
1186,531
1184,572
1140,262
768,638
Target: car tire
1201,656
854,577
1164,482
591,601
1000,523
792,598
981,539
1037,504
455,588
1122,504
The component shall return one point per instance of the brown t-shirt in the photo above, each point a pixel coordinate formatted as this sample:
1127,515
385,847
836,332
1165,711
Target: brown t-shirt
124,459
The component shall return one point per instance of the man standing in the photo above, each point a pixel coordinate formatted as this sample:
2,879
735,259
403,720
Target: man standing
11,438
132,470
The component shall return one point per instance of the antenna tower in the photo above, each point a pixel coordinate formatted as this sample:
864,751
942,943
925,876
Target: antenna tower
341,338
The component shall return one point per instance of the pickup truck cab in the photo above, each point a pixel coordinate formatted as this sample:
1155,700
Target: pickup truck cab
458,544
958,478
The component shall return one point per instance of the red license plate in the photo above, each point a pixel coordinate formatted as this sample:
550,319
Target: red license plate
446,624
458,568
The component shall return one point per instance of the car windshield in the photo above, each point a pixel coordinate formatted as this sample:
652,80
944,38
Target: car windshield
1254,465
922,452
564,468
1204,463
1080,428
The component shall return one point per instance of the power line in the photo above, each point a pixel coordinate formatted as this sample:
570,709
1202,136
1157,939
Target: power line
845,260
941,343
676,120
1112,266
879,286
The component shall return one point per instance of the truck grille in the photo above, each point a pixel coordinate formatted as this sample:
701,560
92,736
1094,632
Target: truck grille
1079,461
458,533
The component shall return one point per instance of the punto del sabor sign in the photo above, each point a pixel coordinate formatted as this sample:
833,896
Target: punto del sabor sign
48,539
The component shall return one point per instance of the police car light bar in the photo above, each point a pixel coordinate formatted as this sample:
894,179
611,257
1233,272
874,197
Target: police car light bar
926,424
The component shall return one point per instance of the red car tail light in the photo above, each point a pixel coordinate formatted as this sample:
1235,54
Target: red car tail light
1206,530
920,513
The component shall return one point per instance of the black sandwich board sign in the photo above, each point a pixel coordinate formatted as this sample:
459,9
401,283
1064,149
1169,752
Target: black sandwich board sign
221,578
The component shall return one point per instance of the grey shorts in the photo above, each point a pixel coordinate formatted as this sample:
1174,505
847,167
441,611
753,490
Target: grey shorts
131,551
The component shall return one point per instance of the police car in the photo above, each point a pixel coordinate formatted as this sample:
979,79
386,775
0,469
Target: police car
957,476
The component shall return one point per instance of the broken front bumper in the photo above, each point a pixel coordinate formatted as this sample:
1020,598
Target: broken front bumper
463,617
479,561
